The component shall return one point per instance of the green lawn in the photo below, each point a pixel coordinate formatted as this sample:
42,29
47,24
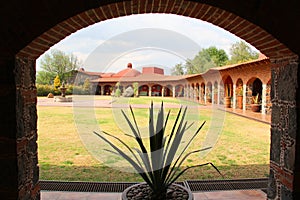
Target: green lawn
242,150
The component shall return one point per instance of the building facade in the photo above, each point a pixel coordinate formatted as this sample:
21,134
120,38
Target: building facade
236,86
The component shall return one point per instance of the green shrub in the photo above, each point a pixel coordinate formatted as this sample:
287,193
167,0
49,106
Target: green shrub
44,90
79,90
118,92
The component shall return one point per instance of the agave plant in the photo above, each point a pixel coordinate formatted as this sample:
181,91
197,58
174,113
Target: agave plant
158,165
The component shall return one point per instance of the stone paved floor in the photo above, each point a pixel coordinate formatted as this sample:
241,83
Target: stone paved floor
215,195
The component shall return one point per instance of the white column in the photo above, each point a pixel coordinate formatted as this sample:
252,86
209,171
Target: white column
173,89
213,94
218,96
244,96
199,94
150,91
102,90
234,97
163,91
205,94
194,93
264,99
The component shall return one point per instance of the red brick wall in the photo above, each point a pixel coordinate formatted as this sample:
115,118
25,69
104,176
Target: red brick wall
153,70
242,28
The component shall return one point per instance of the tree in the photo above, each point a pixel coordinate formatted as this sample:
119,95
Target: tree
177,70
56,82
57,63
241,52
45,78
206,59
218,56
87,85
135,89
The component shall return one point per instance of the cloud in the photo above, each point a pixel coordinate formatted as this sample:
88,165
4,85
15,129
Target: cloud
165,42
114,38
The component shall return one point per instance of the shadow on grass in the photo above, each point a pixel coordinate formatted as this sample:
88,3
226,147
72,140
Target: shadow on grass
71,172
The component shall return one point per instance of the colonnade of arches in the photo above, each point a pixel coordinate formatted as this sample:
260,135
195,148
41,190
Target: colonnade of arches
145,89
238,93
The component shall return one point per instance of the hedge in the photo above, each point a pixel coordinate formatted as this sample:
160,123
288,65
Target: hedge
44,90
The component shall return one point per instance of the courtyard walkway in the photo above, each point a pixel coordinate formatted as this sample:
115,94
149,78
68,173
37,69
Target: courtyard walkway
106,103
214,195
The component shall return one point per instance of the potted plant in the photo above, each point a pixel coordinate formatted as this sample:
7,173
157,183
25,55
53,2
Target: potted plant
208,96
228,102
240,98
157,164
256,106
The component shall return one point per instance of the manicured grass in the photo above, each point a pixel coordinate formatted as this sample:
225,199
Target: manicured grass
241,151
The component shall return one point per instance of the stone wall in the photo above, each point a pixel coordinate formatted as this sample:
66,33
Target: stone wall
283,130
26,133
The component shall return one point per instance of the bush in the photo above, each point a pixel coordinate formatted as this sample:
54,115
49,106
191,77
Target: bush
118,92
44,90
79,90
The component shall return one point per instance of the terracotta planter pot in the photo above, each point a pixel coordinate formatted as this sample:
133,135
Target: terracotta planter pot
227,102
240,101
255,107
133,187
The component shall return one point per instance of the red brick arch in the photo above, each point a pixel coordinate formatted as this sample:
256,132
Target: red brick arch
24,32
242,28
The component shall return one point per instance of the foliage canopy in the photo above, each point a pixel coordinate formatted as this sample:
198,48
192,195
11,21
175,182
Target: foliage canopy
214,57
57,63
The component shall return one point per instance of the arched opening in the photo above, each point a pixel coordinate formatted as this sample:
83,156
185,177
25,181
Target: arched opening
257,88
98,90
108,89
192,91
179,90
168,91
197,90
202,93
144,90
209,92
253,93
216,93
156,90
267,44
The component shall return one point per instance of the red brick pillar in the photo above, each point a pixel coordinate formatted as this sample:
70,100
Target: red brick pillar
26,129
285,151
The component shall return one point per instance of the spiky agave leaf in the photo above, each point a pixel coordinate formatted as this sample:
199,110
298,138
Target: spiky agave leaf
138,168
158,167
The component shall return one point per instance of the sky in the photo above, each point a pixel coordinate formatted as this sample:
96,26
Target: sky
162,40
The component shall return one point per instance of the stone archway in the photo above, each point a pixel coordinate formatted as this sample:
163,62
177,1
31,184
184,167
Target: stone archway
28,35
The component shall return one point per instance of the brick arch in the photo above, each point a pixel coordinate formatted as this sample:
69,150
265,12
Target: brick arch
284,176
242,28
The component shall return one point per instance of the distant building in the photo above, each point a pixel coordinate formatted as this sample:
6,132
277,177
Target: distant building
239,81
